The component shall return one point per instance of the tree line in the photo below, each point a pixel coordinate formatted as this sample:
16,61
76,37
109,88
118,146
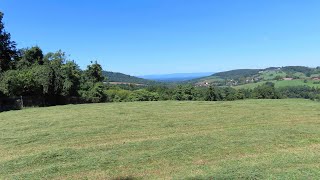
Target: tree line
51,76
189,92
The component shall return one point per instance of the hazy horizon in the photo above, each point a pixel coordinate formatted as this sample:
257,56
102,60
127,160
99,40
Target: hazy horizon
173,73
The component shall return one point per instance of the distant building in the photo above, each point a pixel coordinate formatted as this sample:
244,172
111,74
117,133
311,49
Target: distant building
287,79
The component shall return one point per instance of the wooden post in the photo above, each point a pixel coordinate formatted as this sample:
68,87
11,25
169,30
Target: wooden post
21,101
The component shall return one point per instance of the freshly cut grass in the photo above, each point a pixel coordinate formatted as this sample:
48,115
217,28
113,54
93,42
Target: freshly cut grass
251,139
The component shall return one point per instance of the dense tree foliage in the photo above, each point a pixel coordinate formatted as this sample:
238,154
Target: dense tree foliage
294,69
29,57
8,50
213,93
56,77
51,76
305,92
265,91
234,74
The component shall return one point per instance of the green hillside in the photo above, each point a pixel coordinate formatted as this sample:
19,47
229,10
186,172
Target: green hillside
294,75
250,139
283,83
238,73
124,78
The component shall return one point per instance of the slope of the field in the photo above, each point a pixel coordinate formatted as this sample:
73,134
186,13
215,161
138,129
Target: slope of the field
250,139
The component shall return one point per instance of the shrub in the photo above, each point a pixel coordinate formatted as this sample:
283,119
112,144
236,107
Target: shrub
94,94
265,91
118,95
144,95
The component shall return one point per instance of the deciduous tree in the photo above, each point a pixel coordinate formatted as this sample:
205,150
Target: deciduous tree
7,48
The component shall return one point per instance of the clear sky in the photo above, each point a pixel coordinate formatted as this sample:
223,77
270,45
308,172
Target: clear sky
141,37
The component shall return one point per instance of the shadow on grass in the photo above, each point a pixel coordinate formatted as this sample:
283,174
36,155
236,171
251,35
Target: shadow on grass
126,178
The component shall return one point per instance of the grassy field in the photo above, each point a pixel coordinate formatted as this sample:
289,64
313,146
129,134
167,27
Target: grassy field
270,75
250,139
282,83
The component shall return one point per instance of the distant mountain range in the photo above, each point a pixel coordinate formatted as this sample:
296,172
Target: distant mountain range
175,77
238,77
120,78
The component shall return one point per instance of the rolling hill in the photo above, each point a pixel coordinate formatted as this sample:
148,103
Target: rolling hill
293,75
120,78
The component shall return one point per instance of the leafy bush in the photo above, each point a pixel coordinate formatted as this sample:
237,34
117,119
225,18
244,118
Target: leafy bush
143,95
265,91
118,95
94,94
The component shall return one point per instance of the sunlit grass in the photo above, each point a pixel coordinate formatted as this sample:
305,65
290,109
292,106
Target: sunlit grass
163,140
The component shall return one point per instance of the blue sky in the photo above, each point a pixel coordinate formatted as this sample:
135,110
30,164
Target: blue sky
141,37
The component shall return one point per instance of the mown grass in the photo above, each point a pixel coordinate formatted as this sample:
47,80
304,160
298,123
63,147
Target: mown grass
250,139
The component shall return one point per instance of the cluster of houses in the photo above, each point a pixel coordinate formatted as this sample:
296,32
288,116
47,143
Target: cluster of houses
202,84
